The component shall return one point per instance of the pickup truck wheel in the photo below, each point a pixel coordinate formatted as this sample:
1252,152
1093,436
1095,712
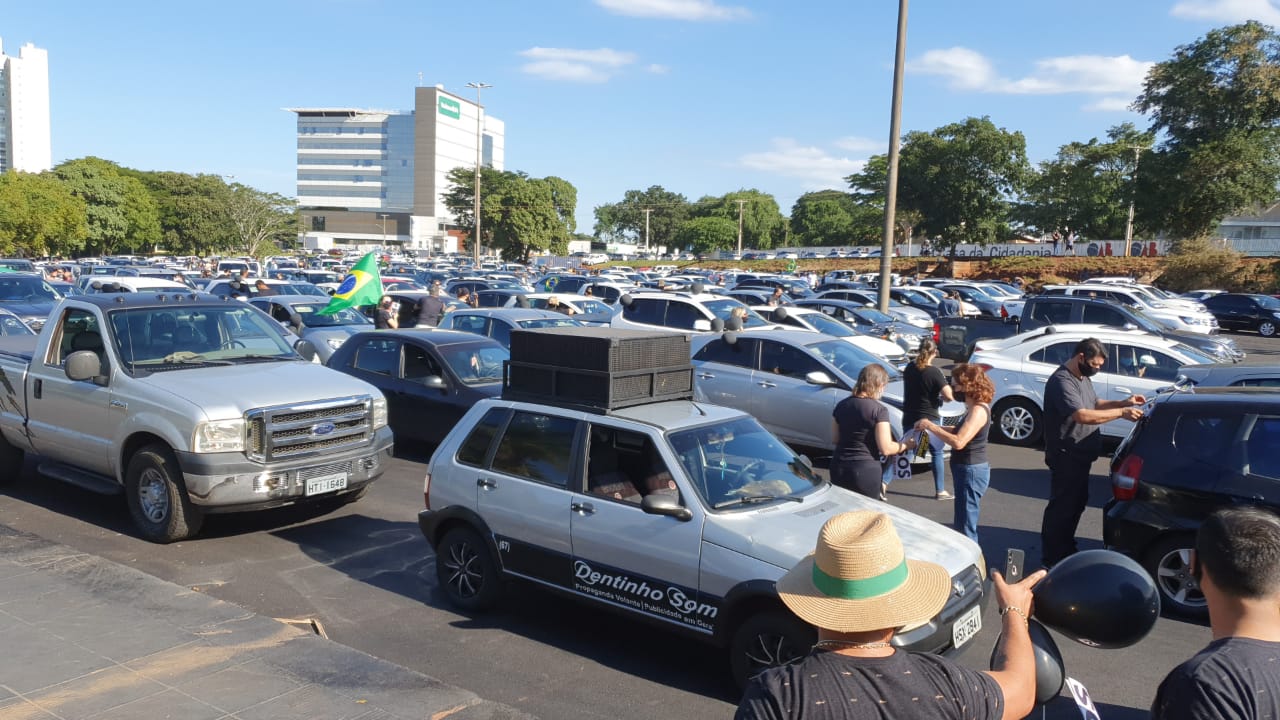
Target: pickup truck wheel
768,639
11,461
1017,422
158,498
465,570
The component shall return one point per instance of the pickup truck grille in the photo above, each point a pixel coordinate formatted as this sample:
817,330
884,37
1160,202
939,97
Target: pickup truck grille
296,431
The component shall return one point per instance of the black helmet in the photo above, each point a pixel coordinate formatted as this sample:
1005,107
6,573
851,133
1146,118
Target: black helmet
1099,598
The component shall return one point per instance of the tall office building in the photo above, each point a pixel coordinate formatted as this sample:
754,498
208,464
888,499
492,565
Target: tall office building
24,110
378,177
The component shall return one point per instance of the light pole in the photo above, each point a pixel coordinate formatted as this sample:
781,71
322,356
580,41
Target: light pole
383,218
891,186
479,142
1133,195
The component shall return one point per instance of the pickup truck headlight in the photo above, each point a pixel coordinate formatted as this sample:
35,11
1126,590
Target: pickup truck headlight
334,343
379,412
219,436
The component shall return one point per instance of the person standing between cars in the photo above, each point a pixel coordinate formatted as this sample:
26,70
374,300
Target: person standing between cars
776,298
466,296
858,588
1072,441
924,388
385,319
1237,675
431,309
970,470
861,432
949,306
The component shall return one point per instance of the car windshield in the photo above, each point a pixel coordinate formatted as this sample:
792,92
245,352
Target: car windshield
1146,322
739,463
312,318
1197,356
828,325
916,296
592,307
168,338
873,316
850,359
547,322
476,364
303,288
723,309
25,288
1267,302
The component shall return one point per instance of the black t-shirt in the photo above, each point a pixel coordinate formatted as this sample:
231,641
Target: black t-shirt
831,686
1231,678
383,321
857,418
1063,395
920,391
430,310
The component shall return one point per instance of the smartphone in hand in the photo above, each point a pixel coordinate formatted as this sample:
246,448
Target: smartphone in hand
1013,562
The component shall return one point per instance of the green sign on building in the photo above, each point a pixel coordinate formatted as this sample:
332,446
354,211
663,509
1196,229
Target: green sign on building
449,107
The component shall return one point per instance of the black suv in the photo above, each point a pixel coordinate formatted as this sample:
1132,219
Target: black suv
1238,311
1192,454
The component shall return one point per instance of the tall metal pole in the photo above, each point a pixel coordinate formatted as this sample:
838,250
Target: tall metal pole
891,191
646,228
475,241
741,203
1133,195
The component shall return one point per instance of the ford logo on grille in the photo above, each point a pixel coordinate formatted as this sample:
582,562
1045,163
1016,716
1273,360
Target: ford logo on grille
322,429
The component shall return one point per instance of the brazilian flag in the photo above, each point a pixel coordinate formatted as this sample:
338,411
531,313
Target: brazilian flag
362,286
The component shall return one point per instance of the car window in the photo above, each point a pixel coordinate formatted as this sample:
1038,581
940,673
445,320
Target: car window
625,465
1257,382
469,323
537,447
1262,448
682,315
782,359
1054,313
1054,354
419,365
1206,439
78,331
1136,361
739,354
475,448
737,461
1103,315
378,355
649,311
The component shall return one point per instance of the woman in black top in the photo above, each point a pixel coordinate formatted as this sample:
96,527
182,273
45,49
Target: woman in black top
970,470
861,432
923,390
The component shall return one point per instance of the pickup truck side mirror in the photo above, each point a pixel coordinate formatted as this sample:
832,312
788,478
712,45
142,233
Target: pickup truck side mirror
661,503
83,365
306,349
435,382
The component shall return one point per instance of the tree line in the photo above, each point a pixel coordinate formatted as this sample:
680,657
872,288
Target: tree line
91,206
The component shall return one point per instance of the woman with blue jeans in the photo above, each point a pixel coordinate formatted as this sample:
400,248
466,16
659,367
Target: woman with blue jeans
970,471
924,388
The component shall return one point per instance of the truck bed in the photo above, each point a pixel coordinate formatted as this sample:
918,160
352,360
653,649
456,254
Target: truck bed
18,347
957,336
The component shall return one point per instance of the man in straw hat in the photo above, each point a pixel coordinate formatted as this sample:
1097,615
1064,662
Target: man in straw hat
859,588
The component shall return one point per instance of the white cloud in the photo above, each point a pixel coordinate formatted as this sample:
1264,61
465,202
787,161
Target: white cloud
1228,11
968,70
588,66
675,9
862,145
1110,104
657,69
816,168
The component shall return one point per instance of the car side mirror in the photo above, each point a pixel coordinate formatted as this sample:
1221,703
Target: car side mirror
83,365
1130,326
306,349
662,503
818,377
435,382
703,325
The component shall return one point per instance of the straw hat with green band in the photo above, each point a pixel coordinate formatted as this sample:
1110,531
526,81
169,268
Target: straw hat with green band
858,578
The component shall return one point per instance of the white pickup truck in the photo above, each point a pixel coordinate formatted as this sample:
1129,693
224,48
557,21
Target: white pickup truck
187,404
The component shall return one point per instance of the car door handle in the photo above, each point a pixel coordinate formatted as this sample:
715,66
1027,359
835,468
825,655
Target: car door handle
1124,391
486,483
706,376
1042,380
766,384
585,508
37,389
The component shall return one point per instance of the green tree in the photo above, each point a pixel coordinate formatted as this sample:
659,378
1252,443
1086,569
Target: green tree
960,178
1087,187
704,235
1216,106
521,216
194,219
104,191
868,198
142,218
460,197
761,218
565,198
264,222
823,218
39,216
625,221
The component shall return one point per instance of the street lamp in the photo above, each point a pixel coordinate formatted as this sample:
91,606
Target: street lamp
891,186
383,217
1133,195
479,142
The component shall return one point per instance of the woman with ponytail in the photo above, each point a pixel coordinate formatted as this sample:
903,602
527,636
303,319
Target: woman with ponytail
924,390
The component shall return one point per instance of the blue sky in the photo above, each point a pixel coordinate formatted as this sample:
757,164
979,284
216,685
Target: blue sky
702,97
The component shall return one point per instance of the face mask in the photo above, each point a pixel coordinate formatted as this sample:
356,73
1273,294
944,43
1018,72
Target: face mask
1088,370
958,394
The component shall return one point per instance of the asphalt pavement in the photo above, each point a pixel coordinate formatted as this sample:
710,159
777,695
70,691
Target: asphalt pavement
84,637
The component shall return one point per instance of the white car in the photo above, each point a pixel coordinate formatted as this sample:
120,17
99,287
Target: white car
1176,316
689,312
1137,364
818,321
121,283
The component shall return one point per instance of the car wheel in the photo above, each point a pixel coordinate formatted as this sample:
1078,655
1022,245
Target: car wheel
157,496
768,639
1267,328
1017,422
1169,563
11,460
465,570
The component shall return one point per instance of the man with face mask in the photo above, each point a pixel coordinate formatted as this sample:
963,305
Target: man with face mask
1072,441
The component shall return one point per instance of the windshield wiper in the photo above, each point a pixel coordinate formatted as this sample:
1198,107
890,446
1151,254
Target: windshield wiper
192,360
229,361
752,499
